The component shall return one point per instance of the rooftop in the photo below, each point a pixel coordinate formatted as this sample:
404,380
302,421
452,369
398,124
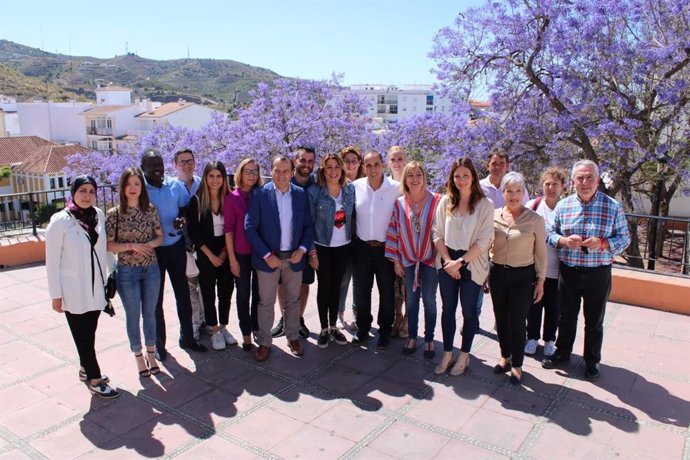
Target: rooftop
17,149
341,402
165,109
50,158
104,109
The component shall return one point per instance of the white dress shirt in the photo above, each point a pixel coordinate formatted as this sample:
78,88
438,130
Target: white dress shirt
374,208
284,202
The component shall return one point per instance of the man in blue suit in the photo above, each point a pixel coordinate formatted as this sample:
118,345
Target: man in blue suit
279,228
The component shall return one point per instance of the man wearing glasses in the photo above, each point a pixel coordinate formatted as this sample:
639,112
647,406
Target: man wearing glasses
169,198
588,229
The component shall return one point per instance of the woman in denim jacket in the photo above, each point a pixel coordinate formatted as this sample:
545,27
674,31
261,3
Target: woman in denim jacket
332,203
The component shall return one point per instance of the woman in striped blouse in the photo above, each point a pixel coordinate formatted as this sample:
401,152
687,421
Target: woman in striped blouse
410,248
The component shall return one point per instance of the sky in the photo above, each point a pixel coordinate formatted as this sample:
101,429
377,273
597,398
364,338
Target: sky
369,41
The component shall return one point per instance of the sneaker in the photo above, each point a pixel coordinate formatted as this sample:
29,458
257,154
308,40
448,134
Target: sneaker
279,330
217,341
549,348
338,336
82,376
103,390
324,338
303,331
228,337
196,328
531,347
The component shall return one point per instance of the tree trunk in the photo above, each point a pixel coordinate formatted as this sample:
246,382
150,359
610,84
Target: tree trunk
632,253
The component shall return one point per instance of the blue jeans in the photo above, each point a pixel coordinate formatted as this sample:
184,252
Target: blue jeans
138,288
469,297
428,279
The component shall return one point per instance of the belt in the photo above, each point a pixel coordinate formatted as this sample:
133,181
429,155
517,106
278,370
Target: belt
374,243
284,255
508,267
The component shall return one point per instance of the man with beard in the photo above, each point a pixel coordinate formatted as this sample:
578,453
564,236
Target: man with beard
166,194
302,176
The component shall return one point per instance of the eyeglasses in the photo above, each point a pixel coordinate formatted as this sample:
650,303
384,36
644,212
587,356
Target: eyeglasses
186,162
351,162
250,172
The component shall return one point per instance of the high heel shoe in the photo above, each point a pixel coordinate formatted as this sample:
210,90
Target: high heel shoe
515,379
461,365
447,361
145,372
152,360
498,369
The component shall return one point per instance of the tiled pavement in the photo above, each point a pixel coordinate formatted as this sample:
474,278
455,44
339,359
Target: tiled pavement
341,402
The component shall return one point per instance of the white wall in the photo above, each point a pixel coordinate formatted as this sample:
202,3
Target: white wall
124,120
105,97
54,121
193,117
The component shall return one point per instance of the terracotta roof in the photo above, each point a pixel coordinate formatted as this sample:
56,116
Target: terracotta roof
50,158
112,88
17,149
103,109
165,109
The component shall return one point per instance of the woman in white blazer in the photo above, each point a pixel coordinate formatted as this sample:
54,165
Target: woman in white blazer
76,261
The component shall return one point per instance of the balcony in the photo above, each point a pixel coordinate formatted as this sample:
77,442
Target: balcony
91,131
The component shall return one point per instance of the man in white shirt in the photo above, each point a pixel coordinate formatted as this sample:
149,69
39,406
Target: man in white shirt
491,184
375,197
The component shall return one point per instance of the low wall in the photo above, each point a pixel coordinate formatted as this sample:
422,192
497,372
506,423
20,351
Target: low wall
651,290
22,250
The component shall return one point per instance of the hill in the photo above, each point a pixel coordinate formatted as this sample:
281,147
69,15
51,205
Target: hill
210,81
13,83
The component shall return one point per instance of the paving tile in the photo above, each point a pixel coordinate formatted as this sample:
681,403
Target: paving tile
217,448
448,413
161,436
497,429
344,381
177,391
460,449
36,417
215,407
303,405
123,415
264,428
370,454
383,393
14,454
519,404
311,442
349,421
404,440
72,440
19,396
471,391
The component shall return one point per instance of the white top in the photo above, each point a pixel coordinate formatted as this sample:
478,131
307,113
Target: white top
218,224
284,202
459,230
339,236
374,208
551,252
68,262
496,194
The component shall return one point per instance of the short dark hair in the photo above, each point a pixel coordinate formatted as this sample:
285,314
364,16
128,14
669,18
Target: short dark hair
306,149
500,153
278,158
181,151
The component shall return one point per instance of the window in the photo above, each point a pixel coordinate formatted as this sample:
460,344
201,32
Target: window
52,183
381,99
61,182
381,108
430,100
393,108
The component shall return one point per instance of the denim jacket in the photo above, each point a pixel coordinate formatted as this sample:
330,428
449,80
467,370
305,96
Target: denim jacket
323,212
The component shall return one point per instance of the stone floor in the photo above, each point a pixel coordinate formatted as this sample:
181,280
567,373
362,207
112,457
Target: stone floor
342,402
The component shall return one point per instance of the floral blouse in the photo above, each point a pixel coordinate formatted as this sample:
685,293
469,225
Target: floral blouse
134,226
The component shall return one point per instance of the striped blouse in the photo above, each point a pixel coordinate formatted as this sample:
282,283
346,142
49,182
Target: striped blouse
408,240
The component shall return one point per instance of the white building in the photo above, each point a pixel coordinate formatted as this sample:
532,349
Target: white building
59,122
393,103
10,120
113,95
107,125
183,114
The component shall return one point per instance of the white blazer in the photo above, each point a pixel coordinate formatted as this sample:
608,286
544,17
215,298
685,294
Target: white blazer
68,261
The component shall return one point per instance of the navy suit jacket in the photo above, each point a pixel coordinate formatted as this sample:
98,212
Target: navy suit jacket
262,225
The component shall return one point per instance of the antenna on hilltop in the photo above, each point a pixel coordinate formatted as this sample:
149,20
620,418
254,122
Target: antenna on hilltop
187,51
126,48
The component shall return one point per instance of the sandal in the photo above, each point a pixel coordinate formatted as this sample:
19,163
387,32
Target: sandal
410,346
429,350
152,359
140,360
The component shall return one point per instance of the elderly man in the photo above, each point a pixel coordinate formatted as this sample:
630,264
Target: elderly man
279,228
588,229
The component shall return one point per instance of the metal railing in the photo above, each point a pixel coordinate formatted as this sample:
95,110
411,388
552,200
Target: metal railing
28,212
659,244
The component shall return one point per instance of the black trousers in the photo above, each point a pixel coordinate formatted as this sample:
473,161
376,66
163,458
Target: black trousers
173,259
549,304
512,290
332,264
247,286
211,279
592,286
372,263
83,327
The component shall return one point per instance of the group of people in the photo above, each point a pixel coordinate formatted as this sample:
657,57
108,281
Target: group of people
348,223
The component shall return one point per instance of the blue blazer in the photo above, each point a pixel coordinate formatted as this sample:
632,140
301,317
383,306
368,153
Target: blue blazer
262,224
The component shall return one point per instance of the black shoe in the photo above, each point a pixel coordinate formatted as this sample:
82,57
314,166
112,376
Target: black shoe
514,379
592,372
194,346
279,330
337,336
383,342
360,340
498,369
303,331
103,390
324,338
161,354
553,360
429,350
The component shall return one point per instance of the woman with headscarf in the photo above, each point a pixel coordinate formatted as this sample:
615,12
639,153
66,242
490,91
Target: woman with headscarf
76,261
